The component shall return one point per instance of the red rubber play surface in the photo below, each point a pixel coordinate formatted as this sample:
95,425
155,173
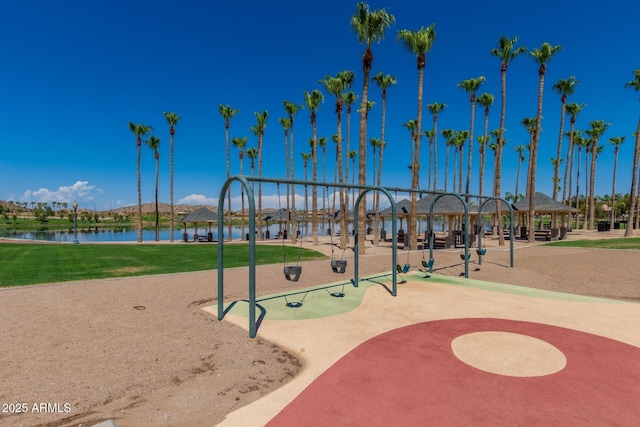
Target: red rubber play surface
411,376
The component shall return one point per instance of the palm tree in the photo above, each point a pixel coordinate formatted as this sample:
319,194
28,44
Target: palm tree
349,98
471,86
418,43
486,100
336,86
139,130
312,100
573,109
172,119
506,52
520,150
435,109
463,135
634,84
616,141
529,124
580,142
322,143
258,130
430,135
292,109
598,127
541,56
383,81
227,114
411,126
286,124
448,135
240,143
369,27
482,150
154,143
564,88
351,155
252,153
305,159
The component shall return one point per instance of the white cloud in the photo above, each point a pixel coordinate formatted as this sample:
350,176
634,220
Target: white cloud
198,199
80,191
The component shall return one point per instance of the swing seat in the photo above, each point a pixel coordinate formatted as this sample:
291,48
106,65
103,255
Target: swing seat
405,269
428,264
481,251
464,256
296,304
293,272
339,265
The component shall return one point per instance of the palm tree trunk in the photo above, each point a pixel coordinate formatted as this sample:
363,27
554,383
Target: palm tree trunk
293,214
367,59
585,224
592,180
470,148
498,169
259,218
314,189
228,165
534,159
157,209
435,152
139,195
172,213
578,189
613,188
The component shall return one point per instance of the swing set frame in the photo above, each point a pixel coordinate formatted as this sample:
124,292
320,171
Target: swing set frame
245,182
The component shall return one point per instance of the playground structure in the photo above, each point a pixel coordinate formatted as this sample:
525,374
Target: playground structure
293,274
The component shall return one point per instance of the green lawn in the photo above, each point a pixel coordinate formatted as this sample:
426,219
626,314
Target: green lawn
27,264
626,243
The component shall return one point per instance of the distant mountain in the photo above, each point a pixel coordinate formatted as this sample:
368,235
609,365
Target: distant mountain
164,208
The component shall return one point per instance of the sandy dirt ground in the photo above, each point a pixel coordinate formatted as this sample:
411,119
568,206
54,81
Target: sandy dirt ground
141,351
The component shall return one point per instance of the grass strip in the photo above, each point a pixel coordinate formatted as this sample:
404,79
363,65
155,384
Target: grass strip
27,264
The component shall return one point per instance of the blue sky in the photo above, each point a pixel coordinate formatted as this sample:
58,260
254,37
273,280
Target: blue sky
75,73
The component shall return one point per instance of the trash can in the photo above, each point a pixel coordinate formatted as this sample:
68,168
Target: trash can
604,226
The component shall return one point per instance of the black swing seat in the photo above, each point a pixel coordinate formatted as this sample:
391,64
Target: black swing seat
428,264
463,256
481,251
405,269
339,265
293,272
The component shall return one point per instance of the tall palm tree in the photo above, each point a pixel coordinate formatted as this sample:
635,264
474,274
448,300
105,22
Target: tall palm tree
312,100
581,143
411,126
541,56
448,135
258,131
252,154
349,98
139,130
506,52
154,143
369,27
305,162
351,155
564,88
520,150
616,141
322,143
486,100
572,109
336,86
634,84
483,141
172,119
435,109
285,122
529,124
240,143
418,43
383,81
598,127
430,135
292,109
227,114
471,86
